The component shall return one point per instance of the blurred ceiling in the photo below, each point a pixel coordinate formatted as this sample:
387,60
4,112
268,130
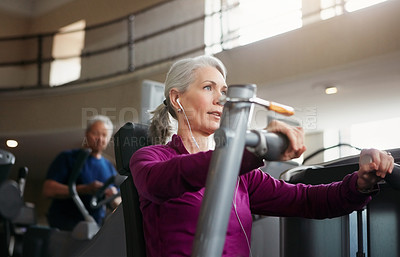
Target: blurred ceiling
368,91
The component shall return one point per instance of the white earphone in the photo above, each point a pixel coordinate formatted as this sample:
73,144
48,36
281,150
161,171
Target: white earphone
187,120
179,103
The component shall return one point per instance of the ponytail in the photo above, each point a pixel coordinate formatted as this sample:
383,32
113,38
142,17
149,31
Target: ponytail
160,128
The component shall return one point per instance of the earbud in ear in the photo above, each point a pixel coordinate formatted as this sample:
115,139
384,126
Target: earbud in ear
179,103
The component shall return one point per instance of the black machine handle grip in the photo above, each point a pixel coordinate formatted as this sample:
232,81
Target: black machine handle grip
268,145
95,202
277,144
393,179
22,172
76,169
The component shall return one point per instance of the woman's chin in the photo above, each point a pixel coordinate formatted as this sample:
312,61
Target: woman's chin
213,128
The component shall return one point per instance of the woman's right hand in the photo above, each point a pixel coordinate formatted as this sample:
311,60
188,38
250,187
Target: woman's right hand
295,136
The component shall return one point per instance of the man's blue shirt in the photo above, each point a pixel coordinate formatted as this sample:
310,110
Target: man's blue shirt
63,213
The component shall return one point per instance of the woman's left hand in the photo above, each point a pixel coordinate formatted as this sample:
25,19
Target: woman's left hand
295,135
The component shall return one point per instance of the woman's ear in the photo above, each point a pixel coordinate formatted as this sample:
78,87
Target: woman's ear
173,98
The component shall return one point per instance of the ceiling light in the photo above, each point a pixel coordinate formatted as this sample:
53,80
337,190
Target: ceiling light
12,143
331,90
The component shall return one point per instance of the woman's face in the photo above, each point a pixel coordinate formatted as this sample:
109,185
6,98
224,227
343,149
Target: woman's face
200,101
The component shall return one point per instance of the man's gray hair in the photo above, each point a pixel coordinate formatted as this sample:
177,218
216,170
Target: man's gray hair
100,118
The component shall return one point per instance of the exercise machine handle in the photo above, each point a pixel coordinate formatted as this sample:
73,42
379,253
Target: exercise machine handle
393,179
76,171
277,144
268,145
22,173
96,201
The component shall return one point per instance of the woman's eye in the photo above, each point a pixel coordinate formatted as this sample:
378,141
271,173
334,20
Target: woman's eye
207,88
223,92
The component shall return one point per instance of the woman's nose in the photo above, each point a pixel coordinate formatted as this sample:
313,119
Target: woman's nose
217,98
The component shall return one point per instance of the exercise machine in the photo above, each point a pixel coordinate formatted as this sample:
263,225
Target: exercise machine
372,231
15,214
21,236
230,139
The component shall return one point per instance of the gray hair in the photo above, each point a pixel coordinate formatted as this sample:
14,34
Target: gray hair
100,118
180,76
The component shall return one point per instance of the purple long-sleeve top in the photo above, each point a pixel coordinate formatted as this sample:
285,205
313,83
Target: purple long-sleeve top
170,183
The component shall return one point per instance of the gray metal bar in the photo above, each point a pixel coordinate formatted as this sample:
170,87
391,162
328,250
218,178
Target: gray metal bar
275,143
252,139
222,174
75,172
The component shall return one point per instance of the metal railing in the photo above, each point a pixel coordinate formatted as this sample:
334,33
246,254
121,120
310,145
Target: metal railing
42,59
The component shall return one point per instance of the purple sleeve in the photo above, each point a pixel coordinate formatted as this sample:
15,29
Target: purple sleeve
160,174
269,196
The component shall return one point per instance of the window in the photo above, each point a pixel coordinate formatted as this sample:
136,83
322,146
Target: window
332,8
232,23
67,47
354,5
377,134
259,19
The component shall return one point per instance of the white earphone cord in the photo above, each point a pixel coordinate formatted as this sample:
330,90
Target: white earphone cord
190,129
240,222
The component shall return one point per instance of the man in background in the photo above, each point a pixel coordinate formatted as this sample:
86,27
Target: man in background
63,212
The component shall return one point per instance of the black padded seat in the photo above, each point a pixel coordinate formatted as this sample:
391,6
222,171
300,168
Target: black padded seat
127,140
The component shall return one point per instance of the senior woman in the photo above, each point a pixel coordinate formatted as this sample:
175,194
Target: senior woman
170,178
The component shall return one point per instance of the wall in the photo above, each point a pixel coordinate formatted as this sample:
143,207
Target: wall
171,39
13,24
93,11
